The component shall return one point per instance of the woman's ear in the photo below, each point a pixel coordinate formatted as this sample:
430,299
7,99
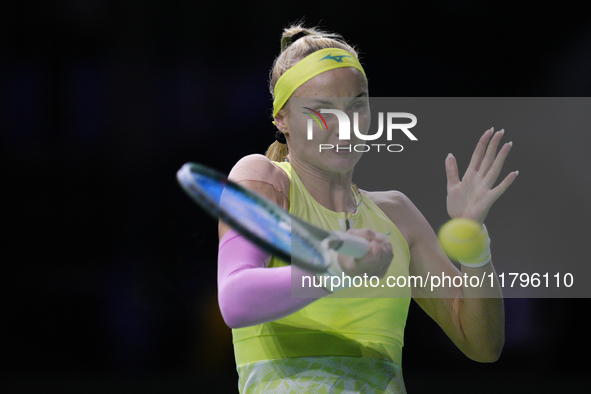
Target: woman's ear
280,124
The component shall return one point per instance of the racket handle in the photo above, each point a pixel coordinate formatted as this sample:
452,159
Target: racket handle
348,244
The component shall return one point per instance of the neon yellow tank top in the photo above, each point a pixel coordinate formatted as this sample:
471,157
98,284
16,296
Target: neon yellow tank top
334,326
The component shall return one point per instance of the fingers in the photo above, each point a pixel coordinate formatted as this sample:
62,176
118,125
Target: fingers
379,257
491,176
480,150
368,234
491,152
504,185
451,169
382,258
485,159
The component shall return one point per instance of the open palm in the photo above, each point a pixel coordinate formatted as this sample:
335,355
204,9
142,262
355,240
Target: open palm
473,196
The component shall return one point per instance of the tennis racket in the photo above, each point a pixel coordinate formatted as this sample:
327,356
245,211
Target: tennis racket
265,223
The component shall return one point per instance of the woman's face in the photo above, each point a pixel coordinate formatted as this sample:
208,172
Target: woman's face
343,89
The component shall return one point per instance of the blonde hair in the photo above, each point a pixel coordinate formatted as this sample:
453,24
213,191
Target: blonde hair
291,53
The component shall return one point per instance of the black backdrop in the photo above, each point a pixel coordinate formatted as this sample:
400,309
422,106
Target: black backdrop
109,279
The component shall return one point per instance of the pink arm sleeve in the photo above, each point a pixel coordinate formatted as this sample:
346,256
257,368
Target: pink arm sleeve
248,292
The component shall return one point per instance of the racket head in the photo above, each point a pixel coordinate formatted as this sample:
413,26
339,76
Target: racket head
261,221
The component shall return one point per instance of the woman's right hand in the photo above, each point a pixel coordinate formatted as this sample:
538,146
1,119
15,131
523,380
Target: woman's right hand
376,262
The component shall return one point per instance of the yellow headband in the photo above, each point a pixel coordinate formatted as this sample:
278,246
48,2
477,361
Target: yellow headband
307,68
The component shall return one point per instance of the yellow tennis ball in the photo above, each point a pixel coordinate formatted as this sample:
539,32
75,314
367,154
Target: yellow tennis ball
462,239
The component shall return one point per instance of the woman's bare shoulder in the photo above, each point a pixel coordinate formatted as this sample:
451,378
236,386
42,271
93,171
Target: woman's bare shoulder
255,167
260,174
391,201
399,209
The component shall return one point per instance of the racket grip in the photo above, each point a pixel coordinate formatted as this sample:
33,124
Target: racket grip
348,244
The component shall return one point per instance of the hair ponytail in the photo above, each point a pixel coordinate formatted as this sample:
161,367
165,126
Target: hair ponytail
277,152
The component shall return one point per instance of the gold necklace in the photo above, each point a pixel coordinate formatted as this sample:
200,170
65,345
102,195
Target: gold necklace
358,195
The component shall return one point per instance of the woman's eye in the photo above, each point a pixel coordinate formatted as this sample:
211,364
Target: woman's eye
358,106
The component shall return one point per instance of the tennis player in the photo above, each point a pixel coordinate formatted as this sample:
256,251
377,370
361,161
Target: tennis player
330,343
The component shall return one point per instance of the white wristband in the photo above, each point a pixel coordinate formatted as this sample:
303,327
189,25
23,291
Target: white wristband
484,257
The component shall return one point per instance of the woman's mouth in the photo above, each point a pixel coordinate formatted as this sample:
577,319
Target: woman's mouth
341,149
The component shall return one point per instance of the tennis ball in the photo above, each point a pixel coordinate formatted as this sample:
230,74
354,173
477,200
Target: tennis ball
462,239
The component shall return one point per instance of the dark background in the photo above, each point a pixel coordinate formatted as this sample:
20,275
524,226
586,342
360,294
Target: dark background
109,279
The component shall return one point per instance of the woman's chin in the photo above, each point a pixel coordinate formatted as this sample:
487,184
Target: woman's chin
341,160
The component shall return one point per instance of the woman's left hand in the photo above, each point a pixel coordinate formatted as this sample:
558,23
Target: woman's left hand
473,196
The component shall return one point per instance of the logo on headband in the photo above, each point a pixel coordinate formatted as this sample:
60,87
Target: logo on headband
338,59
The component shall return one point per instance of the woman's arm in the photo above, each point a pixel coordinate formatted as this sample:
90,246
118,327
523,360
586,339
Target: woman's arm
249,293
473,317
